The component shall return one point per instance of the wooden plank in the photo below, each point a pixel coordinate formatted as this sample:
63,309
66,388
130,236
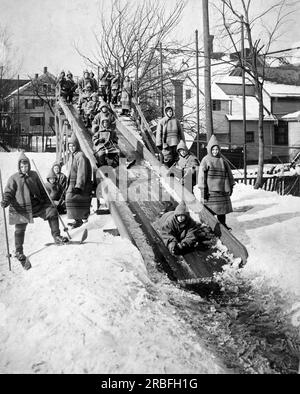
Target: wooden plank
181,193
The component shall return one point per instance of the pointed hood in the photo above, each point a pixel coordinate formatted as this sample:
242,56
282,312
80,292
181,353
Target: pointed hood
73,140
103,104
181,209
182,145
51,174
212,142
167,108
23,157
59,165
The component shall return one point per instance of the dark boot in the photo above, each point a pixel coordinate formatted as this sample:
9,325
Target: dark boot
23,260
76,223
19,237
59,240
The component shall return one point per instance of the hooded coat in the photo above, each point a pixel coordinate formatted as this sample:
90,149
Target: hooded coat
126,95
169,131
54,189
97,121
187,163
174,232
61,177
26,197
215,180
79,176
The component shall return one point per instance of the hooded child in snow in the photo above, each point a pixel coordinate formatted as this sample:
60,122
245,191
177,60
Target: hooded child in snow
216,181
105,145
168,135
179,231
27,199
186,167
56,192
79,184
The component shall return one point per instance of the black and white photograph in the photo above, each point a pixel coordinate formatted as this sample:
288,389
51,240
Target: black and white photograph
149,190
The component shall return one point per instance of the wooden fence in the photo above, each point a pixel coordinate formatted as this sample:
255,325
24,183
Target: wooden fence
283,185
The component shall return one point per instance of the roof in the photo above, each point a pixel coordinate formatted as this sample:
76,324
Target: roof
232,80
46,78
217,93
8,85
292,116
252,109
281,90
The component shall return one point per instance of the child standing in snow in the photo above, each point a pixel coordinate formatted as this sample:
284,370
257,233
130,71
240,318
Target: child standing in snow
27,199
55,191
216,181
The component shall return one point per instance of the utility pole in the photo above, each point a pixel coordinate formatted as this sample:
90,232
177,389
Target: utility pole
243,64
137,75
207,70
161,80
18,113
197,96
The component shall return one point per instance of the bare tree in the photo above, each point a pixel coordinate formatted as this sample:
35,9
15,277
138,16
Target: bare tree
9,64
259,40
129,37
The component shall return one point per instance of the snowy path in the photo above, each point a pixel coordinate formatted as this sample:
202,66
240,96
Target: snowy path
90,308
93,308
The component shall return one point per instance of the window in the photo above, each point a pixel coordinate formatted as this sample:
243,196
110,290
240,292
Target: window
250,136
51,121
188,94
36,121
216,105
281,136
38,103
29,104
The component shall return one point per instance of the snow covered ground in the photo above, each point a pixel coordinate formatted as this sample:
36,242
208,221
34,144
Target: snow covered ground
93,308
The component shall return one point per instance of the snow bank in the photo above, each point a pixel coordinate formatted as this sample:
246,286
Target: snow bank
89,308
269,226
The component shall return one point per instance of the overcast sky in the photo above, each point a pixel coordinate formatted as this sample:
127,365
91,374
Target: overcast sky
44,31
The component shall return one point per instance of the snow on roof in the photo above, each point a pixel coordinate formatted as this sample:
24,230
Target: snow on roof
232,80
292,116
217,93
281,90
47,78
252,108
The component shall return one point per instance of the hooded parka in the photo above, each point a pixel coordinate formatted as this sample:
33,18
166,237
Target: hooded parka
215,181
169,131
26,197
174,232
79,177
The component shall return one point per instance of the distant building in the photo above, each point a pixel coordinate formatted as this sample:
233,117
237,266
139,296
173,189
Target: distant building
28,109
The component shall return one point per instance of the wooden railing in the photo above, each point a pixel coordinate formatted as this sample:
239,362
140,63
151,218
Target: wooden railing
283,185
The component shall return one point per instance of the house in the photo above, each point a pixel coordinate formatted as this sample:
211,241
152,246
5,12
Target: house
30,109
227,107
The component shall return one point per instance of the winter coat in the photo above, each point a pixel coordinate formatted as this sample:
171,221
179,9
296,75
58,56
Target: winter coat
79,176
169,131
94,84
72,86
105,79
61,177
174,232
26,197
126,95
115,83
84,83
216,181
187,163
97,121
109,145
54,189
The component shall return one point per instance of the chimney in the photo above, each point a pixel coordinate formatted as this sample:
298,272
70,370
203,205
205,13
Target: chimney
45,70
36,76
